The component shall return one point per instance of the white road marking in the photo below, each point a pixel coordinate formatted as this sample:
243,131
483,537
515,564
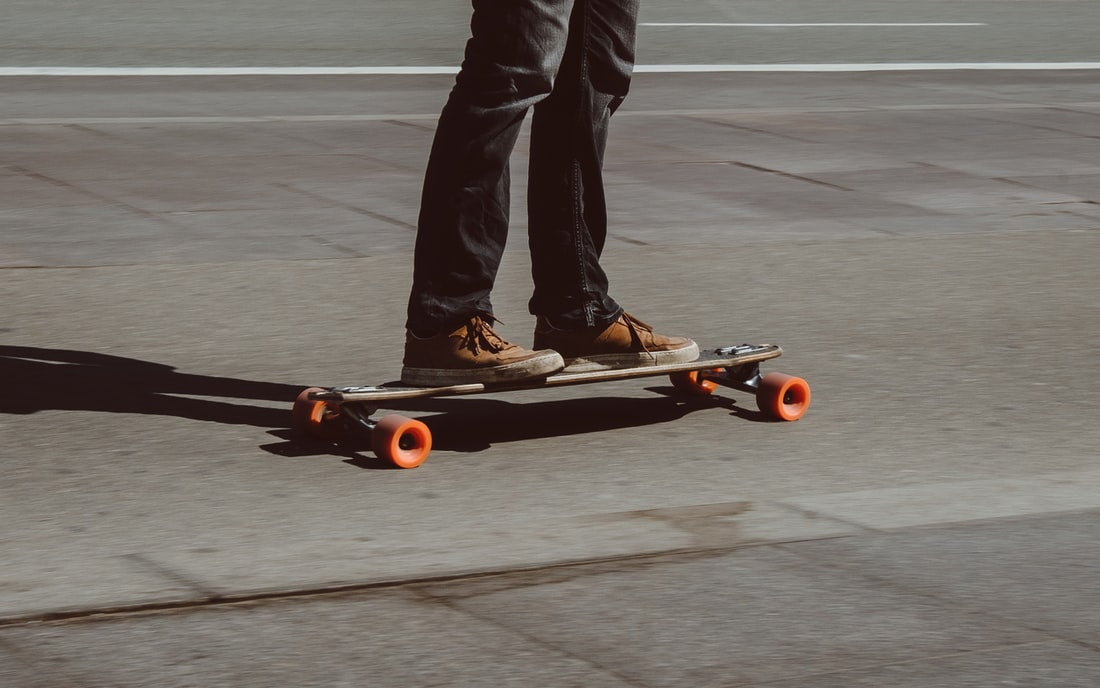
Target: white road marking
640,69
432,116
864,67
224,71
755,25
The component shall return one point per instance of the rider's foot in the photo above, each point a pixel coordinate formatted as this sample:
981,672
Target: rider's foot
472,353
626,343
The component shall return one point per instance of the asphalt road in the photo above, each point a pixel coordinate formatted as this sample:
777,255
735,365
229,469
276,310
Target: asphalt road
180,255
341,33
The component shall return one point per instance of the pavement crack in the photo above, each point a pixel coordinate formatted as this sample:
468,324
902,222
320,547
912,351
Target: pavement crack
1042,127
818,516
328,243
411,125
790,175
208,597
346,206
61,183
942,600
172,575
91,130
528,637
629,240
752,130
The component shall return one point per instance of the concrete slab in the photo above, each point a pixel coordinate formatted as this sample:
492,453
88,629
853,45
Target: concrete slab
168,249
35,192
1034,165
214,192
990,305
1039,573
865,609
213,138
53,223
380,639
770,169
756,615
937,188
36,580
1083,185
1054,664
961,501
987,221
1075,122
102,159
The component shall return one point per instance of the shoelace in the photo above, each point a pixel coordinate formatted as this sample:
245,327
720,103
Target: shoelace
480,336
633,324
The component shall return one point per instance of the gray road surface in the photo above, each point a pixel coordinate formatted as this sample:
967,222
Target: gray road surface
216,33
181,255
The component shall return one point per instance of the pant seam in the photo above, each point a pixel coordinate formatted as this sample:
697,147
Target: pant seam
578,200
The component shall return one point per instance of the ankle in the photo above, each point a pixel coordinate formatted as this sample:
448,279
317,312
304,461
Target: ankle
545,324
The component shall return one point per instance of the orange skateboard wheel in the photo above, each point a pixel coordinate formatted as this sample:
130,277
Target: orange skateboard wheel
319,419
403,441
781,396
693,383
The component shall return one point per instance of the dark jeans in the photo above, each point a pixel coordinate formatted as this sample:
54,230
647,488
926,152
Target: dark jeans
571,61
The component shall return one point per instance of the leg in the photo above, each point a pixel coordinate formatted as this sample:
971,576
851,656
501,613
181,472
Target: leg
510,64
568,222
568,213
511,61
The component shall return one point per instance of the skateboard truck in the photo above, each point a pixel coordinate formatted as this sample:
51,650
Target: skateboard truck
360,416
745,377
405,442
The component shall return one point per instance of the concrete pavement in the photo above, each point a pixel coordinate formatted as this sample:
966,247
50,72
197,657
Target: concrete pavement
923,246
180,256
342,33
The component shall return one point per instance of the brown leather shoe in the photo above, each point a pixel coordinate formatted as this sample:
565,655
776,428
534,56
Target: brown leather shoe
472,353
626,343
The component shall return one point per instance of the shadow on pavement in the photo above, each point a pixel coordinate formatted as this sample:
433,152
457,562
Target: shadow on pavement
469,425
475,424
34,379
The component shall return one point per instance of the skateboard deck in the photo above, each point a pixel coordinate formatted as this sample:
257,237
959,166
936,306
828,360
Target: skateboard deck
325,412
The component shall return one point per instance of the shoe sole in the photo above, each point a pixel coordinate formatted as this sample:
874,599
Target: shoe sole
640,359
543,365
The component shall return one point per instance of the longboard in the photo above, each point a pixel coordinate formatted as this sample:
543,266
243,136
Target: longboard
325,412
